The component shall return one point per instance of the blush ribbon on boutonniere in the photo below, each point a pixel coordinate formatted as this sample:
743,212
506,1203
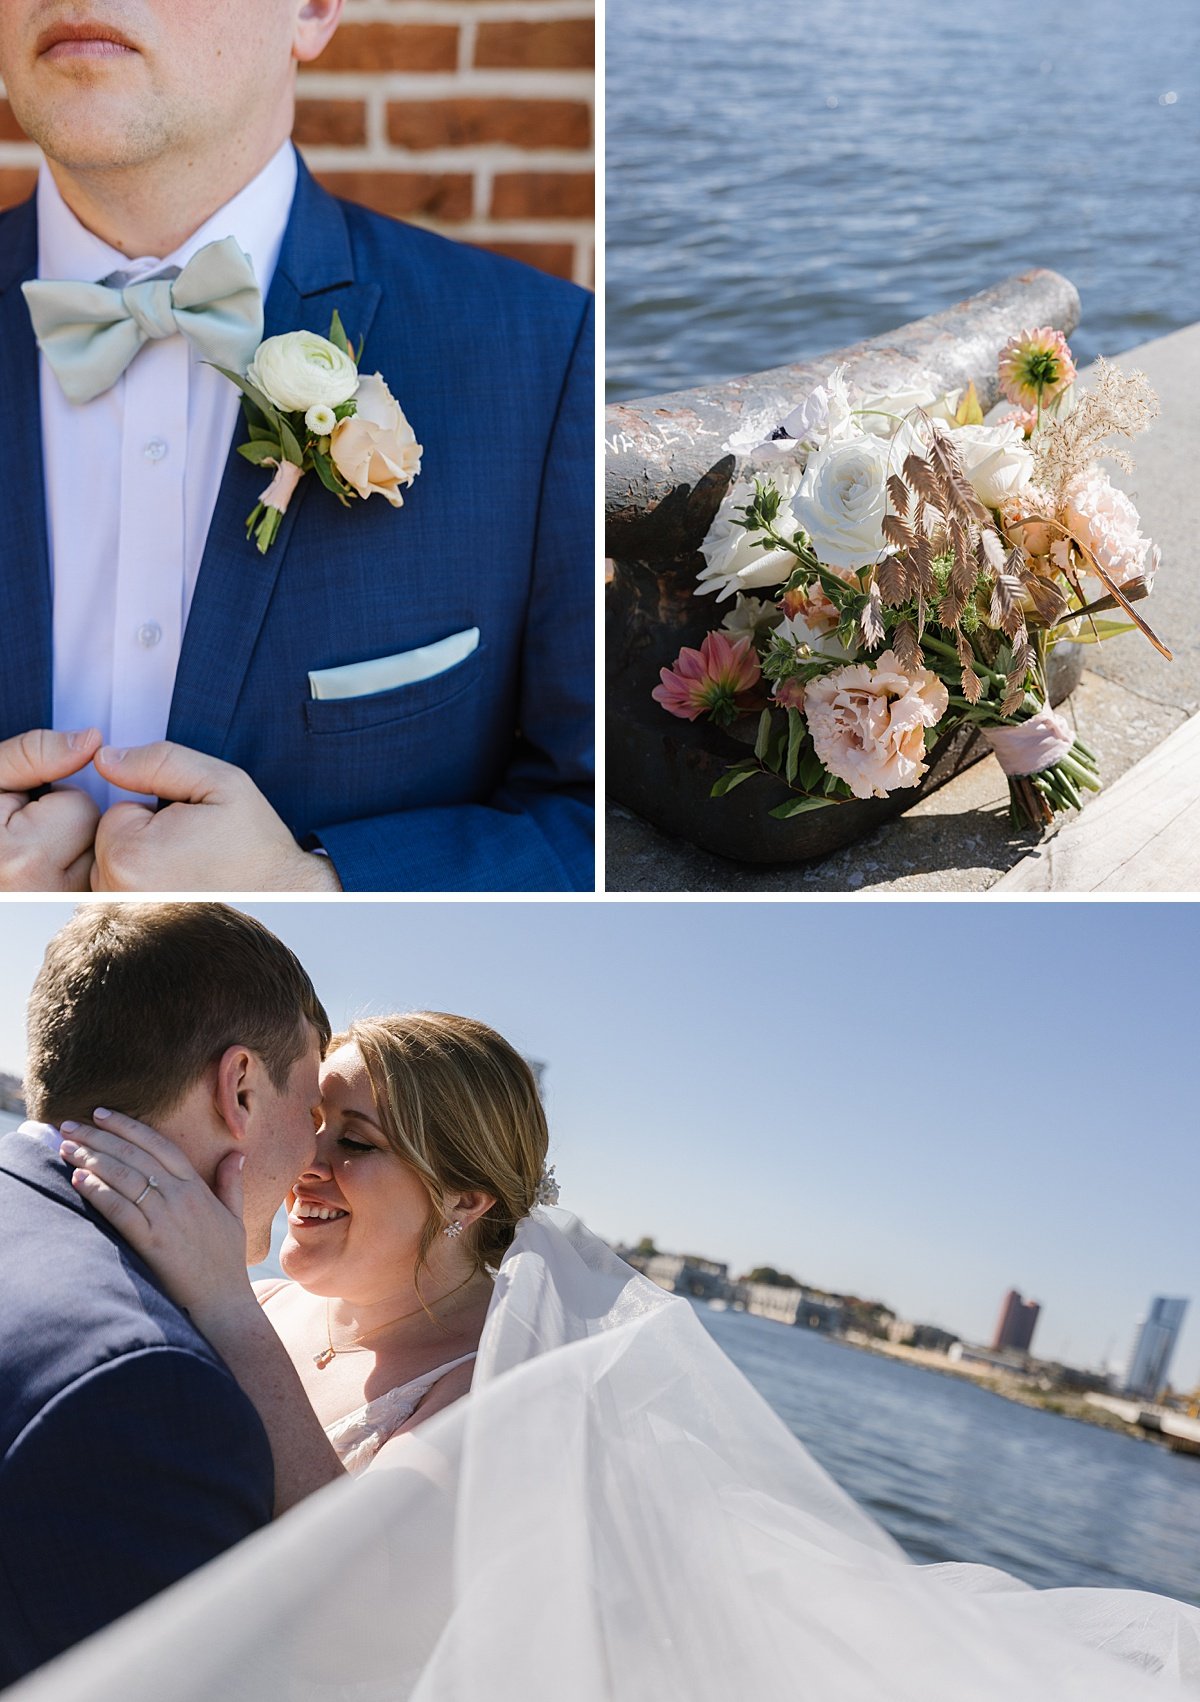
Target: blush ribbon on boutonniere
309,409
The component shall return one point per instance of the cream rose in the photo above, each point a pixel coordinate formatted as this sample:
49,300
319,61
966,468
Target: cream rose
843,498
734,559
300,370
881,412
868,723
376,450
996,460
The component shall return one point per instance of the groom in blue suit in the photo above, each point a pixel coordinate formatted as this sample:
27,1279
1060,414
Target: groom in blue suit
152,655
129,1456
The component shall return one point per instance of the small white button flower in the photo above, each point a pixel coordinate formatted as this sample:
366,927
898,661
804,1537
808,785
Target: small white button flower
320,419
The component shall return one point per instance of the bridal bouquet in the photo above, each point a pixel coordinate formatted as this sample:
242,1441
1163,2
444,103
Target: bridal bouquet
920,567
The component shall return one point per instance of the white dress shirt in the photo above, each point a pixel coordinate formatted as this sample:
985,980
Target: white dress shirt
132,479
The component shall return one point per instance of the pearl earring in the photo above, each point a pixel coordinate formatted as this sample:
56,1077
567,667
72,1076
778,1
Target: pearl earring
453,1229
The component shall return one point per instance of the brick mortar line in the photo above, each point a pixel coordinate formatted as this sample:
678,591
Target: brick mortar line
517,83
468,11
473,156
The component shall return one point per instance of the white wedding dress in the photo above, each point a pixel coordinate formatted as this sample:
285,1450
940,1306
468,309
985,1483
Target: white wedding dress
612,1515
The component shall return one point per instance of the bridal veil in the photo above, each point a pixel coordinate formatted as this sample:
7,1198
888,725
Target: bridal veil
614,1515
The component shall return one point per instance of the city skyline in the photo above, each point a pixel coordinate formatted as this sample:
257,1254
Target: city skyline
928,1112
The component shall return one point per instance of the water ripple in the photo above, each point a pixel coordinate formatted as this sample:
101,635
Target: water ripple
785,178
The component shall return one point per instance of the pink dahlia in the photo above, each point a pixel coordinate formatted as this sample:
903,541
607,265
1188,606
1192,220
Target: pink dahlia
1035,367
709,681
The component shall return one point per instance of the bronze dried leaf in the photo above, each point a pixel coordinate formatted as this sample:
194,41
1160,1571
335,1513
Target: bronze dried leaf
896,531
906,647
872,618
897,494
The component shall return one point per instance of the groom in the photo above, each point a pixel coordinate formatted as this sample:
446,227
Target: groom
128,1454
151,653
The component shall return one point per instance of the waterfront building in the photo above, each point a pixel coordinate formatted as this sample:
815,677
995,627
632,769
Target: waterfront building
682,1273
790,1306
1150,1361
1014,1328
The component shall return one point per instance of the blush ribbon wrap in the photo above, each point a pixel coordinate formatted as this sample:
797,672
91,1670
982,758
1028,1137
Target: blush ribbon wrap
1032,745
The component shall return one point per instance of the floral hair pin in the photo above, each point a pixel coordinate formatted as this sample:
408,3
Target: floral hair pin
309,409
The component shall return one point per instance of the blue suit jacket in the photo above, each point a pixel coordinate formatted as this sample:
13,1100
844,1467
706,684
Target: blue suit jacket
128,1454
479,779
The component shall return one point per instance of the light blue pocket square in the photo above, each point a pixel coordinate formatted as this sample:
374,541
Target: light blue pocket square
364,679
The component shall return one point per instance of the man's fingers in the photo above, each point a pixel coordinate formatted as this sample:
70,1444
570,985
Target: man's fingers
36,758
133,1142
78,877
44,840
164,770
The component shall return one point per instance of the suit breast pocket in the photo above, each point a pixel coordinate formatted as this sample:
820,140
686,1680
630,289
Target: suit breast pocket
399,707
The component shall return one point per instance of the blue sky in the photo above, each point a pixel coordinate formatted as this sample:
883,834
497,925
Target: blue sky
923,1103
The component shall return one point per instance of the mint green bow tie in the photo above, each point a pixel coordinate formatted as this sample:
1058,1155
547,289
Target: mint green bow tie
89,333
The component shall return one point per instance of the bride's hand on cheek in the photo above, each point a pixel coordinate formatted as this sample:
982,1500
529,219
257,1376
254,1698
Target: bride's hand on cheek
191,1236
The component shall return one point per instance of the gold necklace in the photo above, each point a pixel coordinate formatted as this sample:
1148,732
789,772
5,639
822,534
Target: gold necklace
329,1353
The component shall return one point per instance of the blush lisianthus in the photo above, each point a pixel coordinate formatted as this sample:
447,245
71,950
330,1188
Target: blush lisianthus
868,723
1107,524
1036,367
709,681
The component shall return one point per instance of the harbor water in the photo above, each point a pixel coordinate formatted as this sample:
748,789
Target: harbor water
785,178
954,1472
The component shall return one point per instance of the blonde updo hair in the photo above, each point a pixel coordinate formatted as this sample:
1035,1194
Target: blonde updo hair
460,1106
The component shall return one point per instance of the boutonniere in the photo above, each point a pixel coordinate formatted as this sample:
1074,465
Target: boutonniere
309,409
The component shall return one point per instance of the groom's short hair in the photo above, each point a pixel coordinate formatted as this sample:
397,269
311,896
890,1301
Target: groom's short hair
134,1001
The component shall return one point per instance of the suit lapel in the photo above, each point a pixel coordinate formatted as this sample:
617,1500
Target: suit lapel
315,275
25,618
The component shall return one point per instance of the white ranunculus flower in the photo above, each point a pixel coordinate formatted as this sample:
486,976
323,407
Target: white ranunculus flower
843,498
300,370
734,558
996,460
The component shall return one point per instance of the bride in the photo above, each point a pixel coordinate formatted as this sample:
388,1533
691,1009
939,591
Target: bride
430,1150
612,1514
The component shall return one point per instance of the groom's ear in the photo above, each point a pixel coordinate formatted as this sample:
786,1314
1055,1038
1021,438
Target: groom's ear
236,1081
316,21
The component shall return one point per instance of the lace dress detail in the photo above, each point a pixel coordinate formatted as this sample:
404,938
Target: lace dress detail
358,1437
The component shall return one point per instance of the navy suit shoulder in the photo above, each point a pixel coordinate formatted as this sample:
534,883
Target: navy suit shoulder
129,1456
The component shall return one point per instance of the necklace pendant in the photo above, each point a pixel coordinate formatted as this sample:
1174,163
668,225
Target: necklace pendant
321,1360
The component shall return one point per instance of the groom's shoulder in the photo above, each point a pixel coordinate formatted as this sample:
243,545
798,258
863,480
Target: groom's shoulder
74,1300
459,278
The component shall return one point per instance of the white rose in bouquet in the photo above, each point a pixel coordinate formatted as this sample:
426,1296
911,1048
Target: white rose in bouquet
300,370
734,557
843,498
996,460
882,411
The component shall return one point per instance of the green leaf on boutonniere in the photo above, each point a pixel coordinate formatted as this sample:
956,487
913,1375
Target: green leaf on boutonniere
259,453
328,476
268,410
337,335
291,446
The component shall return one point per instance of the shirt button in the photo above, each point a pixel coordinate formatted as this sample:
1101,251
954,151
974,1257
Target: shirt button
148,634
155,449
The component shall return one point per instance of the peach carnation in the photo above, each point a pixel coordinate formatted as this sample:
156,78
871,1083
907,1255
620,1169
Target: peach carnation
1104,520
868,723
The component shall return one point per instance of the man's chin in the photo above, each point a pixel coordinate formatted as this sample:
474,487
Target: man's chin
88,129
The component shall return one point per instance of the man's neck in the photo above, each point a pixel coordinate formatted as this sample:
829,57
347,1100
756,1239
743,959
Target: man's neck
149,212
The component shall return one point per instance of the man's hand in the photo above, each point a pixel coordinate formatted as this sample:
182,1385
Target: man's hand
217,834
46,845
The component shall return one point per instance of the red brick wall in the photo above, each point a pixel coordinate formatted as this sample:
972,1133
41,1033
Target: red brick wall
474,117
